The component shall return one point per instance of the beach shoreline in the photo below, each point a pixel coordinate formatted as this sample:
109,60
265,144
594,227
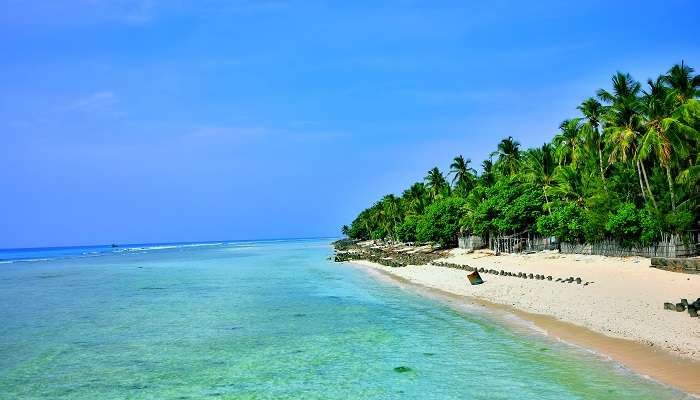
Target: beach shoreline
645,351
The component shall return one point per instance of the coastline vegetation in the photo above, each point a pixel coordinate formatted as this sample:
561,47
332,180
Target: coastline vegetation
627,168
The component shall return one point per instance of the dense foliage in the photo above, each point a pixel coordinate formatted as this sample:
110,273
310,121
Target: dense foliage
626,168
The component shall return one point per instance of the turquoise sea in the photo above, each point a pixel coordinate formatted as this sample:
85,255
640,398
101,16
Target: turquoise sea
264,320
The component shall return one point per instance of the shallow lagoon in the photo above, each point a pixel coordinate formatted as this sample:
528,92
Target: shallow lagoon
266,320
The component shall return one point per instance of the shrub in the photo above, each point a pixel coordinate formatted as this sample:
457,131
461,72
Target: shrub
508,207
406,231
379,233
566,222
625,225
440,223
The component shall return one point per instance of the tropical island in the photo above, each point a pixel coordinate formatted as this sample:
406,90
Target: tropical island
564,234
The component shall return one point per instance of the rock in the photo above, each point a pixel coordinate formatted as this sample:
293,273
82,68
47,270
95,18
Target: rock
669,306
530,276
402,369
684,302
680,307
578,281
549,278
692,311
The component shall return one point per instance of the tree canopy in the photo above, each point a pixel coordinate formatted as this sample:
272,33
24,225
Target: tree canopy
626,168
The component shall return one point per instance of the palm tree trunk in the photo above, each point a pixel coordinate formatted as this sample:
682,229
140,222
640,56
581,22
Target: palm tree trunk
651,195
600,164
641,184
546,199
670,187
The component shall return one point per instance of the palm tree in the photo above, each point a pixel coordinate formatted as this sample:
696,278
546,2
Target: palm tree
487,177
690,177
592,111
414,198
685,86
624,124
663,129
462,174
390,210
508,152
570,185
624,88
345,230
538,169
568,142
436,184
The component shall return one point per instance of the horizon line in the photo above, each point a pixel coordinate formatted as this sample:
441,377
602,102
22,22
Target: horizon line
173,243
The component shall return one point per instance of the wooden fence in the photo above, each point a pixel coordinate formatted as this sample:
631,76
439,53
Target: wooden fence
686,245
470,242
519,242
669,246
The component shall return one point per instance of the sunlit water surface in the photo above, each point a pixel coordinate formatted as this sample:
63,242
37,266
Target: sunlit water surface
265,320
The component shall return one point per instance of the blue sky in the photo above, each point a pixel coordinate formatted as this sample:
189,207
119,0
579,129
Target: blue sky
152,121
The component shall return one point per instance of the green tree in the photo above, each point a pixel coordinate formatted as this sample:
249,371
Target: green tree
569,142
415,198
624,124
592,111
508,153
684,85
463,176
441,222
538,169
436,184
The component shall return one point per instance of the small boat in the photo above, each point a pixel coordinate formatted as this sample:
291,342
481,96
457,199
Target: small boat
475,278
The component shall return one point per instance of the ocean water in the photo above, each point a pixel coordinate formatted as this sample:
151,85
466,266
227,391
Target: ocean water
264,320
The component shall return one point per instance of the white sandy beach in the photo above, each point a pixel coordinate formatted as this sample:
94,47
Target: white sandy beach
625,299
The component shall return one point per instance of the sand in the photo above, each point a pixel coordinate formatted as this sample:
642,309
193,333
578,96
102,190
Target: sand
623,301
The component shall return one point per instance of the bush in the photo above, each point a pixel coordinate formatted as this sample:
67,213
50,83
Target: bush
566,222
440,223
650,224
625,225
508,207
380,233
406,231
680,221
